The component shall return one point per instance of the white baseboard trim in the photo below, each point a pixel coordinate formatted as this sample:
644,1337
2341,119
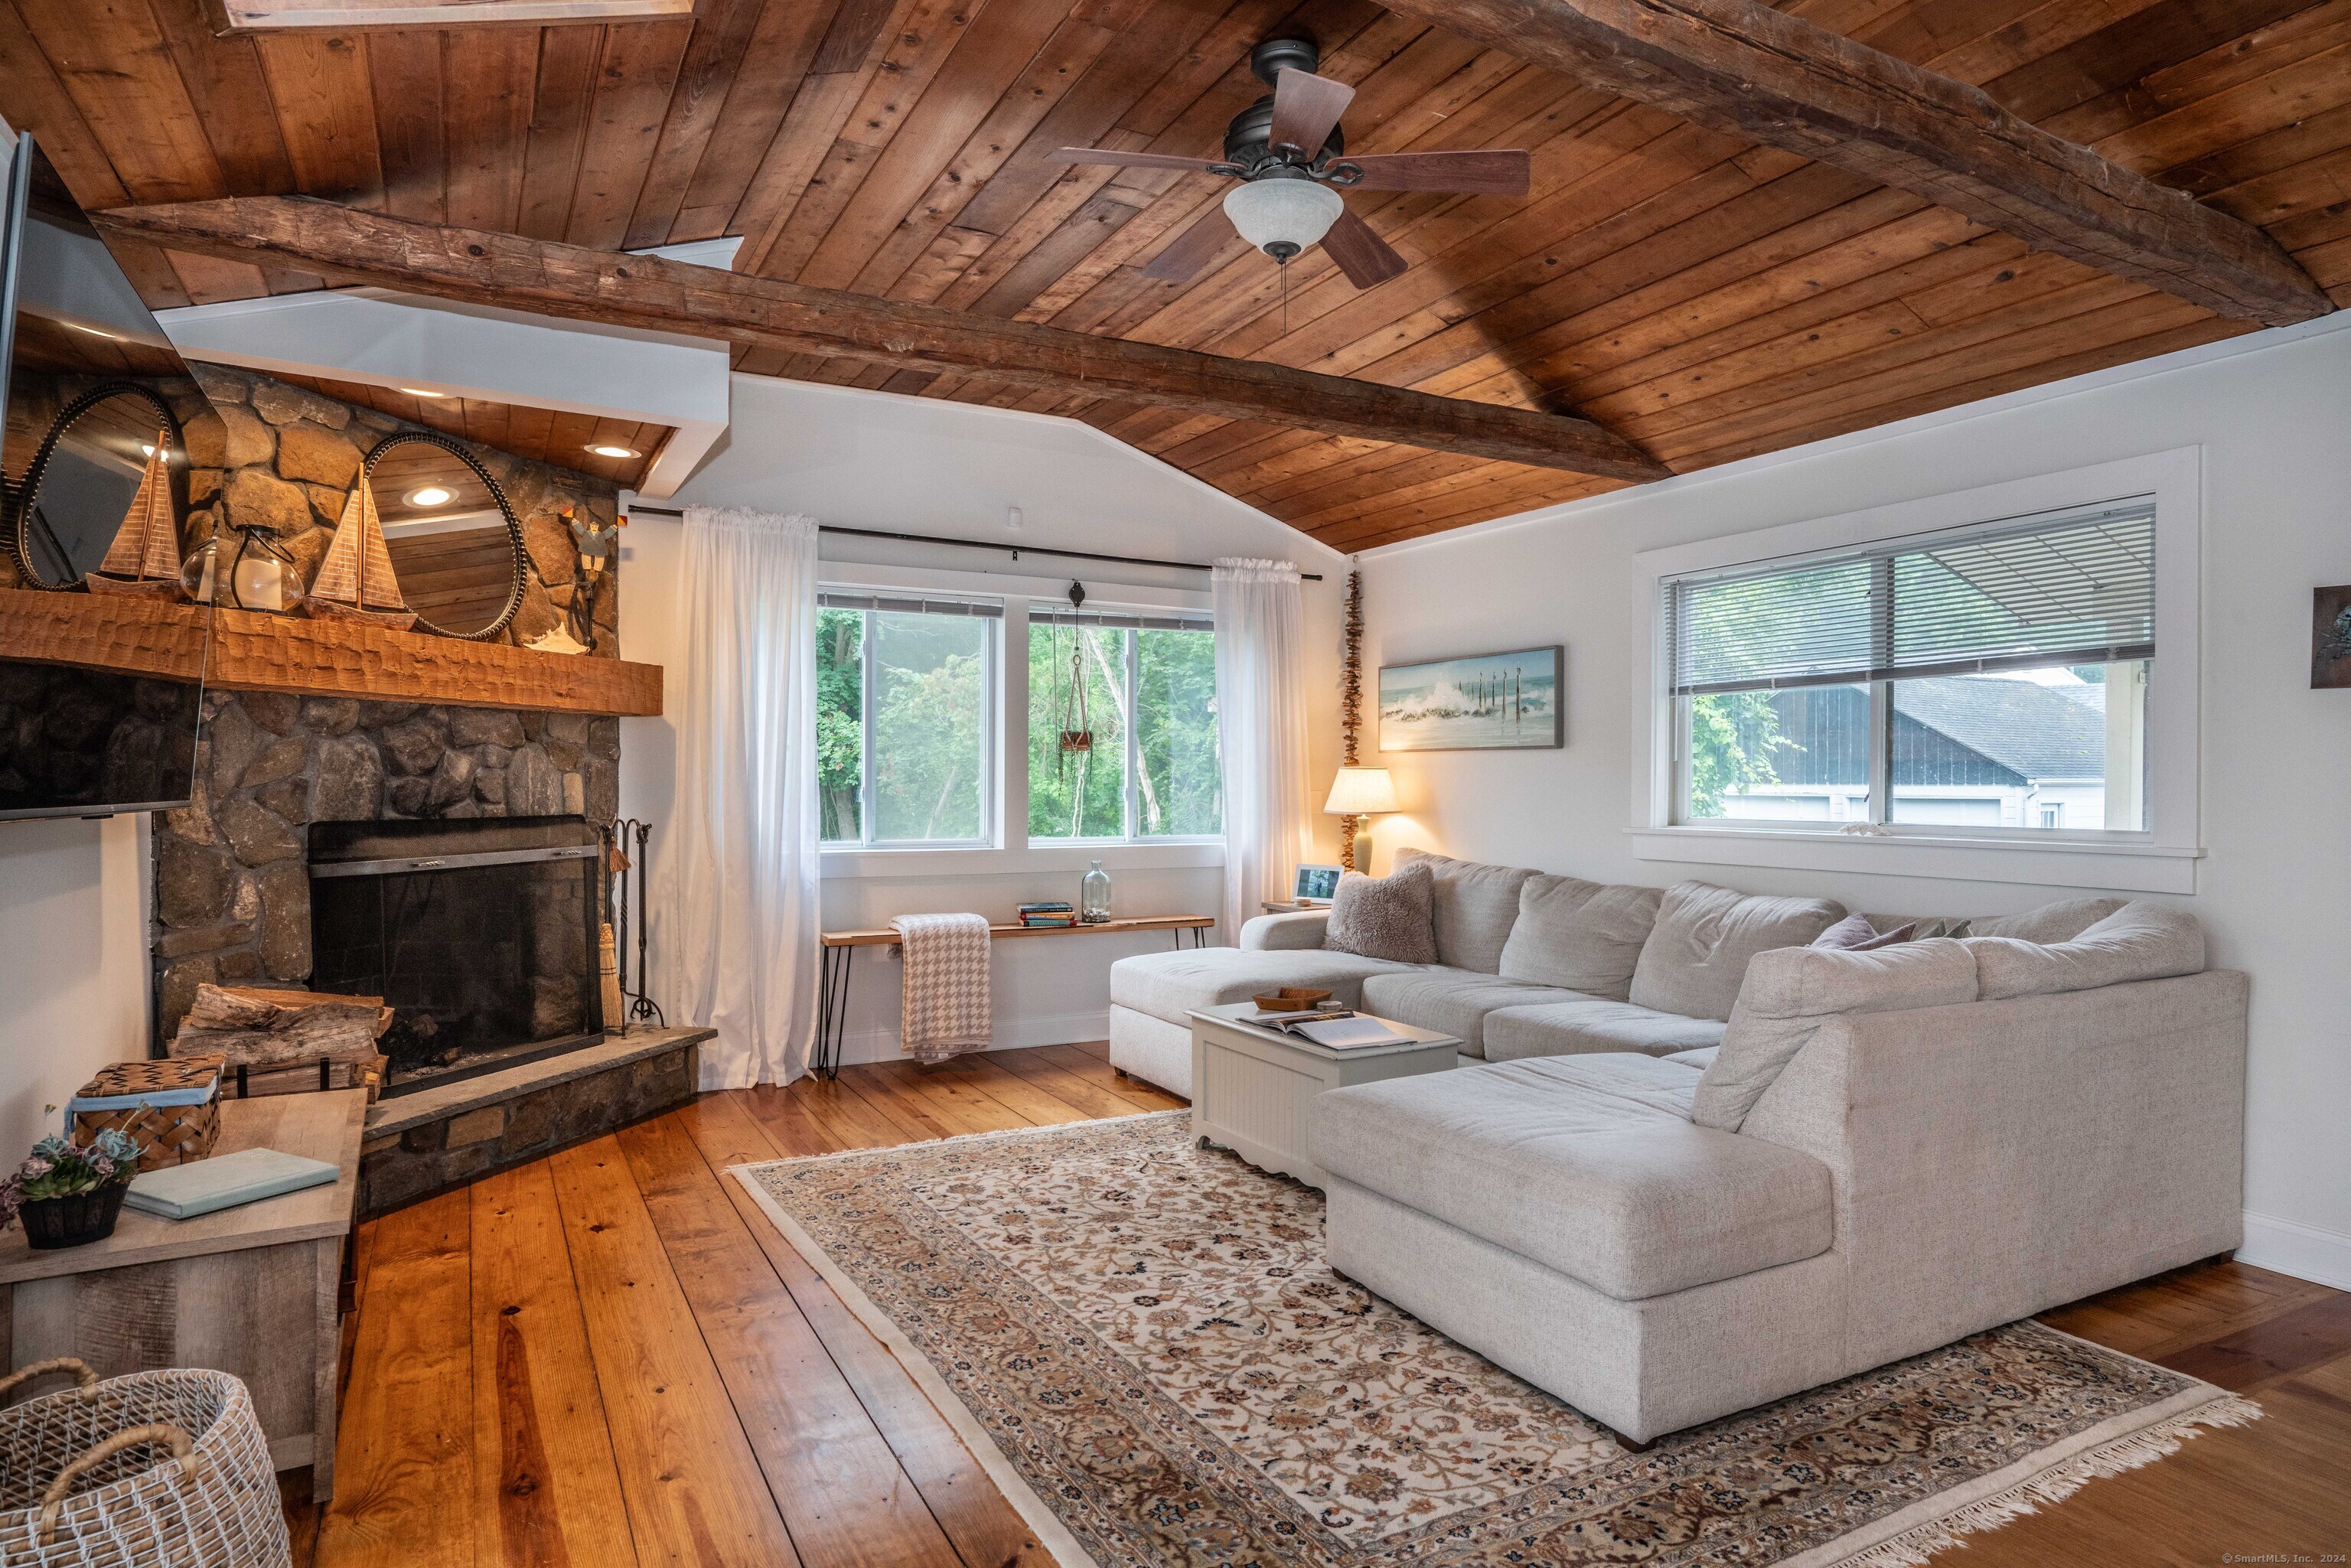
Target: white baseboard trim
881,1044
2290,1246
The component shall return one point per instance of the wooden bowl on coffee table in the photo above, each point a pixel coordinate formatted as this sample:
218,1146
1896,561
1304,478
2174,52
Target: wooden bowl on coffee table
1291,1000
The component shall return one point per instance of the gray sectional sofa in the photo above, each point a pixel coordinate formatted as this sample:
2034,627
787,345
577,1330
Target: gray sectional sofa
1692,1164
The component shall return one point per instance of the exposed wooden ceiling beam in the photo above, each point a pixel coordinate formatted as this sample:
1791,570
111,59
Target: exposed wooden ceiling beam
276,16
652,294
1741,67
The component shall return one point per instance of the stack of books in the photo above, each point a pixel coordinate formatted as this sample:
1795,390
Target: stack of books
1051,912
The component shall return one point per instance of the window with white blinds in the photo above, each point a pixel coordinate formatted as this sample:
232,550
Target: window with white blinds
911,604
2076,588
1988,678
1171,620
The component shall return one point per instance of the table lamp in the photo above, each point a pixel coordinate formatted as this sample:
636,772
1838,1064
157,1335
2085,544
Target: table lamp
1356,793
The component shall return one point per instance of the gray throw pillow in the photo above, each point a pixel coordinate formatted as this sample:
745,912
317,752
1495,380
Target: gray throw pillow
1697,953
1583,936
1473,907
1386,917
1790,991
2051,923
1855,934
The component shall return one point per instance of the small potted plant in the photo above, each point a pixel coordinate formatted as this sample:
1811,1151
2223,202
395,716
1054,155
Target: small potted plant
67,1196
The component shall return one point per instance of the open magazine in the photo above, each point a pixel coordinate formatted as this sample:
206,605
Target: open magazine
1336,1030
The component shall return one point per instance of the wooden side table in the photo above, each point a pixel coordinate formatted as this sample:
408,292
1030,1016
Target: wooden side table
255,1290
1251,1086
841,947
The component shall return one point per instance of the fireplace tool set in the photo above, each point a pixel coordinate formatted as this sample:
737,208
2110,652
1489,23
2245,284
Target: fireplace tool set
618,863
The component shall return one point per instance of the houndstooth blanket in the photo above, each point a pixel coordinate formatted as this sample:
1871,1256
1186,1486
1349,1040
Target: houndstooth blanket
945,1010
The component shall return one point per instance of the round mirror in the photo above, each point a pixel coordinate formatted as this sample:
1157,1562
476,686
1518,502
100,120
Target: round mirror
454,544
63,514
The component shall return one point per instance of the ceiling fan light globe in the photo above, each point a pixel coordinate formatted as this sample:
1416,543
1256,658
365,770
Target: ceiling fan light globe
1292,212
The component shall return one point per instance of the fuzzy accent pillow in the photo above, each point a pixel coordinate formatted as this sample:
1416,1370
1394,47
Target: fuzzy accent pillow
1392,917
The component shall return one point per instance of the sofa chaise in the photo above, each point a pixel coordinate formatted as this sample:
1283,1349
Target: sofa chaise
1728,1165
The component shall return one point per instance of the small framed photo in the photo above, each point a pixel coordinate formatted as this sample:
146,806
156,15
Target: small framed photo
2330,637
1316,883
1486,702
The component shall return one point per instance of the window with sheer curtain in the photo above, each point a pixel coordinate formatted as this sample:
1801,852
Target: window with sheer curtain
1992,678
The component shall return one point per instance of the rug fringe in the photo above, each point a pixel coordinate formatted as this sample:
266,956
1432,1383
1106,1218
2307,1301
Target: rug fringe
1913,1548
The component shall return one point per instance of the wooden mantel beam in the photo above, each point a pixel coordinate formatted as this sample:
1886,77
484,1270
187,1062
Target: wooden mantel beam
650,293
1741,68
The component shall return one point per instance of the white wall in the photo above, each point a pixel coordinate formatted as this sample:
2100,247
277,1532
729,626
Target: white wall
2273,415
902,465
73,964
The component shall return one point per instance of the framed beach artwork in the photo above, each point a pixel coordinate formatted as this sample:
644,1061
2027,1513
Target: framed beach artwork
1487,701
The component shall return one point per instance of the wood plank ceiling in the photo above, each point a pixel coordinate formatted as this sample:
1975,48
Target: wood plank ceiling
1708,298
545,436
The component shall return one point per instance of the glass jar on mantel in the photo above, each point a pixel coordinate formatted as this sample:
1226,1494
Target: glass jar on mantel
1093,900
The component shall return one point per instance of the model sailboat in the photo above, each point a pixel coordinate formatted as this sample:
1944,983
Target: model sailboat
144,558
355,582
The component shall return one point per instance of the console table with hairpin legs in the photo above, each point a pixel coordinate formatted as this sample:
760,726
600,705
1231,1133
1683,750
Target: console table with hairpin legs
841,947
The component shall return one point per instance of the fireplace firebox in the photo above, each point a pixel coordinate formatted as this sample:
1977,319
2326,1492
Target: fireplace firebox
480,934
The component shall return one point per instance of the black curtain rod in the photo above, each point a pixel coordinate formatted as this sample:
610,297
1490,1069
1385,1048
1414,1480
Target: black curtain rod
1015,551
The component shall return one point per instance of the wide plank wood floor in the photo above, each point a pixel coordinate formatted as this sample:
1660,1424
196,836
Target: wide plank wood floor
609,1359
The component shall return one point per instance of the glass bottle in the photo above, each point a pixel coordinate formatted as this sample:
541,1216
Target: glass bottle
1094,904
262,576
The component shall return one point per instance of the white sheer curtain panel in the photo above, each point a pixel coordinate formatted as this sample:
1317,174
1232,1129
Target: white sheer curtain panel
1261,725
736,907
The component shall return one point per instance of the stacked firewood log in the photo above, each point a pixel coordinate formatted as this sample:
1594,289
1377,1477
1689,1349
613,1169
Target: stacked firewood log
278,1042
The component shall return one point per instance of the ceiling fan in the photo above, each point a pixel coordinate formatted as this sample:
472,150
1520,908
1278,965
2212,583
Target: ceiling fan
1289,155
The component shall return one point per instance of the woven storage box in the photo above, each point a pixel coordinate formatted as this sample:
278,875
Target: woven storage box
158,1470
171,1107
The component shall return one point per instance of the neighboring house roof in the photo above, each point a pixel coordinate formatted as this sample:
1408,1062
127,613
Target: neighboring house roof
2038,732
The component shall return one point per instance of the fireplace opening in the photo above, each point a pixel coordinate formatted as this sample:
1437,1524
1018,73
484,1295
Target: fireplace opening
480,934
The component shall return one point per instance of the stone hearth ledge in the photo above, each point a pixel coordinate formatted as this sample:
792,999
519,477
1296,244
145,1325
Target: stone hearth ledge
439,1139
389,1117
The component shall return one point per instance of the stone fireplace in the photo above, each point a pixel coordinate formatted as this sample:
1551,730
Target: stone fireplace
232,877
286,785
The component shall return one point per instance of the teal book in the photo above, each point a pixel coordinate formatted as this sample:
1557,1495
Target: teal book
201,1186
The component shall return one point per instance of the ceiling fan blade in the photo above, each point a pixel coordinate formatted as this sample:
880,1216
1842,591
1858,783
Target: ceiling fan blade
1362,253
1496,171
1193,249
1305,108
1127,160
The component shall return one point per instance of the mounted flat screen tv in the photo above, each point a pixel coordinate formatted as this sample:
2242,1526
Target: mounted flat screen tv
92,386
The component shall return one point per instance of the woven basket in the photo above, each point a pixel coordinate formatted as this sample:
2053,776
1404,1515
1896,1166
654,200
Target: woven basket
169,1134
157,1469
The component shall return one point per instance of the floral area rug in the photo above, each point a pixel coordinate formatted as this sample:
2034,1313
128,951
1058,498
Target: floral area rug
1141,1342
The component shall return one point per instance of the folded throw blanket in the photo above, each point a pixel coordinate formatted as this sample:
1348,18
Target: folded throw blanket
945,1010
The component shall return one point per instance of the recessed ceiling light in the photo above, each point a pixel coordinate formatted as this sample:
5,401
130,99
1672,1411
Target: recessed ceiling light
429,495
146,449
602,450
423,391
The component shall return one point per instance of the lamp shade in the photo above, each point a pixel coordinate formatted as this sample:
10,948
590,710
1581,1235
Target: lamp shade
1359,791
1283,217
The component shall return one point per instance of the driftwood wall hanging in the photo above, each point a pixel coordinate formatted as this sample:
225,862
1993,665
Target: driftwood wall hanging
1350,705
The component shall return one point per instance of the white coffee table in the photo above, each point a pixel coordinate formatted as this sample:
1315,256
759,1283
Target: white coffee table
1250,1086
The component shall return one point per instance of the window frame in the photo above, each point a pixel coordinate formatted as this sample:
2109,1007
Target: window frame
990,726
1130,806
1010,853
2161,857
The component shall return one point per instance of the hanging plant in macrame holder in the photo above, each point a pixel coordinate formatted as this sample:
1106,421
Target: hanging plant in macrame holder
1076,731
